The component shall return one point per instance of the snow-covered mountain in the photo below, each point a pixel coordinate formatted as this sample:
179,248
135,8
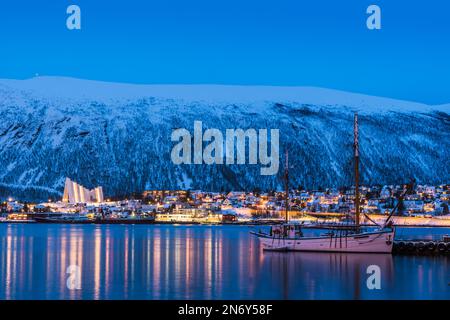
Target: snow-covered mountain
118,136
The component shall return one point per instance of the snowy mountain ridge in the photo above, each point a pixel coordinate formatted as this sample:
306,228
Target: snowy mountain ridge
54,88
118,136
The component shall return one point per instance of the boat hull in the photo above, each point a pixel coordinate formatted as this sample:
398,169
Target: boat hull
370,242
63,221
124,221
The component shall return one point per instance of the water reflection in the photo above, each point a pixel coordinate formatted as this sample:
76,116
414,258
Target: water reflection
318,275
196,262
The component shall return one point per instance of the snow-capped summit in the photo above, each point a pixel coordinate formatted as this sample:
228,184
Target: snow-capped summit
82,90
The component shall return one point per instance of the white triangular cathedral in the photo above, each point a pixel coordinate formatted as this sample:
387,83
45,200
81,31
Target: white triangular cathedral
75,193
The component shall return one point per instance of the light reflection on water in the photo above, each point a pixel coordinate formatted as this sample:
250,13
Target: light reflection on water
198,262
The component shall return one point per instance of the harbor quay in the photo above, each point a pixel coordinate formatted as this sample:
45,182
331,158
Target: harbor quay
426,205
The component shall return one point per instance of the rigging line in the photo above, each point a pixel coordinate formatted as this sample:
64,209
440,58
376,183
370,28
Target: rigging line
379,225
348,235
335,239
407,188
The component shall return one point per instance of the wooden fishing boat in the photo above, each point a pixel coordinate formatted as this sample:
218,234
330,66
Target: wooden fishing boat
339,238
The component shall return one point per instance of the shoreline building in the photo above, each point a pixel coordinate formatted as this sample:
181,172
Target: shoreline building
75,193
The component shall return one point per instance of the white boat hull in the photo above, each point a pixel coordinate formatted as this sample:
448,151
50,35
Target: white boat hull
369,242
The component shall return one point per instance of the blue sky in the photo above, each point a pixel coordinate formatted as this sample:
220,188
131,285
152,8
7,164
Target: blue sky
321,43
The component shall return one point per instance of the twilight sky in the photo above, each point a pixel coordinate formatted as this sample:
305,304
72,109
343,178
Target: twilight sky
322,43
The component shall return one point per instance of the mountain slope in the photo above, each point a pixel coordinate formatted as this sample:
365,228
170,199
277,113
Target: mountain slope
118,136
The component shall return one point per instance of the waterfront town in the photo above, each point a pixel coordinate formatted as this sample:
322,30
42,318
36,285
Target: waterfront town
78,204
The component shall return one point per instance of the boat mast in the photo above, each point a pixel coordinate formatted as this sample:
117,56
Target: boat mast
286,181
356,156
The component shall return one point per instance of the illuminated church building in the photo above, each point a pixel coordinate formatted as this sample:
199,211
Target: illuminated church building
75,193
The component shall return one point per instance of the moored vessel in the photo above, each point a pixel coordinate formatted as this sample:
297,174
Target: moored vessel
69,219
128,220
339,238
289,237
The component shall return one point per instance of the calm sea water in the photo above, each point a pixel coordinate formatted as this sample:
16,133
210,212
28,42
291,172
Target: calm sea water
199,262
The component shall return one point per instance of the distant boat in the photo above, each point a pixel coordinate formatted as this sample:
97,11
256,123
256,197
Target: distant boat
16,218
82,219
339,238
68,219
128,220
